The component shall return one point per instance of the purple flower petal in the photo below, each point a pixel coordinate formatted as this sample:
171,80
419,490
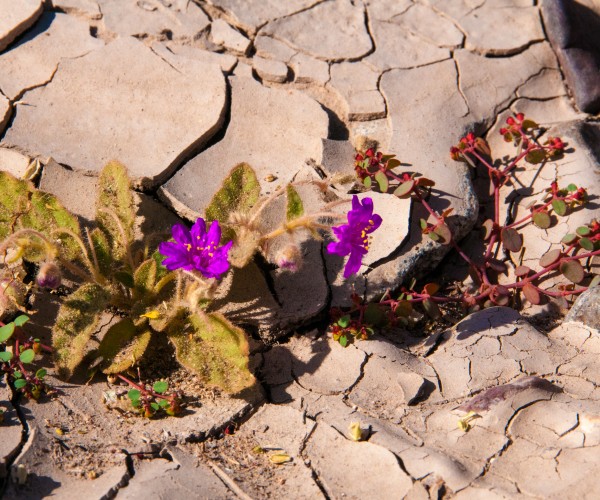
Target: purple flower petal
353,239
197,249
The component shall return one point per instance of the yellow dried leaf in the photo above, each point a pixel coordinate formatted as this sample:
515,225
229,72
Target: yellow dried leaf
154,314
464,423
280,458
355,431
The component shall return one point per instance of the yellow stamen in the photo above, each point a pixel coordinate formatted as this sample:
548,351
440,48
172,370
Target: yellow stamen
188,246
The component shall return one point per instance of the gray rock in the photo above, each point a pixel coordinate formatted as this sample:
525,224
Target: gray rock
16,17
338,31
572,28
585,309
132,123
34,60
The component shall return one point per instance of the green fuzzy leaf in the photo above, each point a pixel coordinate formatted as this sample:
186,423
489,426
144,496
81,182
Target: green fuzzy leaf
160,387
115,211
77,320
6,356
27,356
23,206
20,383
382,181
214,349
134,395
238,193
6,331
41,373
124,278
102,248
144,277
122,346
560,207
295,207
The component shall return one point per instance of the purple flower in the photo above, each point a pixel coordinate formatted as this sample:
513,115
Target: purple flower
197,249
353,239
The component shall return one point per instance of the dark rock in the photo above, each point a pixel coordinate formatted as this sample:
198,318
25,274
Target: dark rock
573,28
585,309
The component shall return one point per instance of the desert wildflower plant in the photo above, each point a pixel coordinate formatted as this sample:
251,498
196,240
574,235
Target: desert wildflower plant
154,287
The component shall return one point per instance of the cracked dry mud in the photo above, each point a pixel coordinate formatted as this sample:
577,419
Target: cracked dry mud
181,91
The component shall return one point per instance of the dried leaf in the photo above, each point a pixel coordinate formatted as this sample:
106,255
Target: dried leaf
542,220
355,431
532,294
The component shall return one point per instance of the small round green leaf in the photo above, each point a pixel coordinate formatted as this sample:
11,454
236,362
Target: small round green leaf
542,220
586,244
434,236
6,356
41,373
569,238
550,257
27,356
572,270
571,188
367,182
443,231
20,383
382,181
536,156
6,331
160,387
343,340
423,223
583,231
560,207
163,403
17,374
155,406
404,189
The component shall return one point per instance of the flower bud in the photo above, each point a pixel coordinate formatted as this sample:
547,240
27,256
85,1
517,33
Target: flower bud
289,258
49,275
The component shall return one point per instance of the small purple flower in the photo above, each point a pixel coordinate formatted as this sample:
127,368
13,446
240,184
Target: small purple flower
197,249
353,239
49,276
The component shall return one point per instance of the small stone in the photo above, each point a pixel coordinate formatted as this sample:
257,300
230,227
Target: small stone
270,69
309,70
16,17
223,34
585,309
